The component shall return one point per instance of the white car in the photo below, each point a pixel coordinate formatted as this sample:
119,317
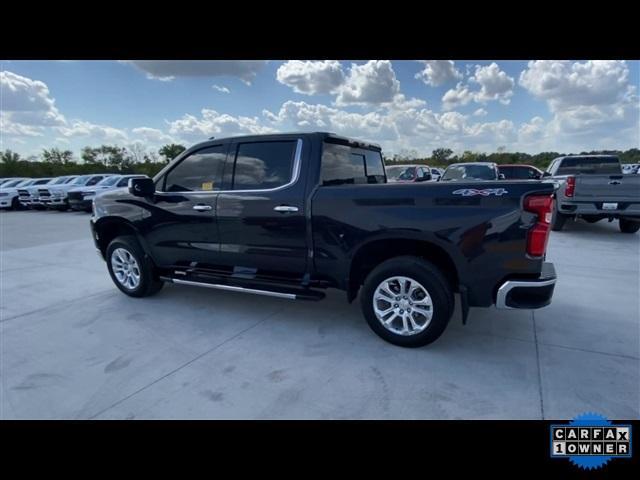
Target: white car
9,192
436,173
57,196
30,196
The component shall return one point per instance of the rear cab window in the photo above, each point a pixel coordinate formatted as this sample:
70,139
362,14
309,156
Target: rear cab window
346,164
589,165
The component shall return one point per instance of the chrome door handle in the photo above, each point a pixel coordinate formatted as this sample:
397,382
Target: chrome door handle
202,208
285,208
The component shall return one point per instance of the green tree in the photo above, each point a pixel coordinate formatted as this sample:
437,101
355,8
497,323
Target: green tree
171,151
57,156
441,155
108,157
9,157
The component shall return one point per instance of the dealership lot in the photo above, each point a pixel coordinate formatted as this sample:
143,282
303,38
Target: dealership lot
73,346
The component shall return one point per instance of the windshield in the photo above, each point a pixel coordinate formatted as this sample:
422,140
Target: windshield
12,183
59,180
81,180
401,173
25,183
108,181
592,165
469,172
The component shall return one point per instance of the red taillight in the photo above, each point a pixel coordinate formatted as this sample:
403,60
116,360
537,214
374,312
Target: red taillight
570,187
538,236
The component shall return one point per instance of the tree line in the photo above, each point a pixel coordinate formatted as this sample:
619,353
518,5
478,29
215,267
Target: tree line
442,157
103,159
138,159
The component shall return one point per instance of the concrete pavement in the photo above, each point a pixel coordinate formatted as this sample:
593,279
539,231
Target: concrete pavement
73,346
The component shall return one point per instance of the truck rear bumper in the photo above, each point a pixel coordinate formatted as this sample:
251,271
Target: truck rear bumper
528,293
620,209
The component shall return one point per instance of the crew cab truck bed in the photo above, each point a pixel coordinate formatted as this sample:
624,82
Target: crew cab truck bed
290,215
594,188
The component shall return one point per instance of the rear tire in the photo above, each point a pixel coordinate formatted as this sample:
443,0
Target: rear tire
15,204
558,220
131,269
421,309
628,226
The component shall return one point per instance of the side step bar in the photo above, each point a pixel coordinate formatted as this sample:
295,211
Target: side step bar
302,295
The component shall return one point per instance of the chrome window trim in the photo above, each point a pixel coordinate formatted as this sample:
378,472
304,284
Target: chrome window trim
294,177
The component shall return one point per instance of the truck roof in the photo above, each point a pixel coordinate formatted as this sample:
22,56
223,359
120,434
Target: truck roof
275,136
485,164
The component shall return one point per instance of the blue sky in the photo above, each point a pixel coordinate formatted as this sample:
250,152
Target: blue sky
409,107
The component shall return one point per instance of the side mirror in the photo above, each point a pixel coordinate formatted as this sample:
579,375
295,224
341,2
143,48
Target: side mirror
501,176
141,187
545,174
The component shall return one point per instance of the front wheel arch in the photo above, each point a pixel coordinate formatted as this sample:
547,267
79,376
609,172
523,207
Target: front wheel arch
108,228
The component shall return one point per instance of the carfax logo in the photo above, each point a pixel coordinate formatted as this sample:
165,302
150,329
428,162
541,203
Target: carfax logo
590,441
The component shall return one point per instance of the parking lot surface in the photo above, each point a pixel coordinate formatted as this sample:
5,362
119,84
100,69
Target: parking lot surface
73,347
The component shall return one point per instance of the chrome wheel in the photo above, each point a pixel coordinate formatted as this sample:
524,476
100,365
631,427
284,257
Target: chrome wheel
125,268
402,305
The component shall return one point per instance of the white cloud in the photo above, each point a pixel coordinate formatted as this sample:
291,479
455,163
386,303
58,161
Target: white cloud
457,97
83,128
220,89
167,70
495,85
311,77
152,135
8,127
212,123
481,112
26,106
594,105
373,83
567,84
395,128
308,117
438,72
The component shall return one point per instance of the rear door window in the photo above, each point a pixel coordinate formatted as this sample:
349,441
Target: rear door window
263,165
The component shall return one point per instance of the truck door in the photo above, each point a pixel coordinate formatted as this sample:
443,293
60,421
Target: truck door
261,216
182,224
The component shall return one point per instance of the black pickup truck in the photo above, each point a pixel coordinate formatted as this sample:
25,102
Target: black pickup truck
288,215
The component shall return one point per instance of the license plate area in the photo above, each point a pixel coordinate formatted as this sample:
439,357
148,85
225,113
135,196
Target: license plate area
610,206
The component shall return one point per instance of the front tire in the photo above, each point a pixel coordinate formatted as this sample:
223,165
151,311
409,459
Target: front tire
131,270
628,226
407,301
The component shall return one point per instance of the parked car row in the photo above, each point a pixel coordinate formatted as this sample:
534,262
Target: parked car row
469,171
58,193
631,168
412,173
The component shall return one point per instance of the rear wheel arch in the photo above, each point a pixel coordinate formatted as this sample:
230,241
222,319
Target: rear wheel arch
373,253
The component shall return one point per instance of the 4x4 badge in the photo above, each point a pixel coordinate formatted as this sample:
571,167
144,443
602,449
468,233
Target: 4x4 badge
472,192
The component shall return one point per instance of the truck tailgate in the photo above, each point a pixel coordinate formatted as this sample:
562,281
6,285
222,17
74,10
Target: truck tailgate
607,187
